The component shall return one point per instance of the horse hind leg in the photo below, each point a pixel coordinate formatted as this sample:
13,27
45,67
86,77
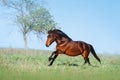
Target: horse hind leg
86,59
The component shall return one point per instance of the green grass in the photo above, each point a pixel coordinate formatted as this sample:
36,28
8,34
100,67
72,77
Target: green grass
19,64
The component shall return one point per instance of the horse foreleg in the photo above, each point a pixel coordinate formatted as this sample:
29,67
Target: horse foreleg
51,56
51,61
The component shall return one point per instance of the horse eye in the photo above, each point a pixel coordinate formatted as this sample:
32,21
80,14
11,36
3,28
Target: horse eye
49,36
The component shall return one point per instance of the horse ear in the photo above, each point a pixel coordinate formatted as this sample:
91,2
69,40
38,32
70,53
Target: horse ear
49,31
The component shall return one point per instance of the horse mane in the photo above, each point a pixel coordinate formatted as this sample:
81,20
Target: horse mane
61,33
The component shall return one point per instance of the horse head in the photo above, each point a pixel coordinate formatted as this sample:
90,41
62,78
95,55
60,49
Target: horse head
50,38
55,35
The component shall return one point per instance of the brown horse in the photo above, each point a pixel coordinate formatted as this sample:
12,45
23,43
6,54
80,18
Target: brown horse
65,45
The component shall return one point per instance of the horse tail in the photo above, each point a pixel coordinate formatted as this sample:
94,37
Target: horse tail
94,53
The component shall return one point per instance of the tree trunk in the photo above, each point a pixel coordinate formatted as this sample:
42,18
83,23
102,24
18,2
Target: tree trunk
25,40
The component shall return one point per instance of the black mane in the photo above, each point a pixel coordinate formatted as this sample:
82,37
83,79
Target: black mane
61,33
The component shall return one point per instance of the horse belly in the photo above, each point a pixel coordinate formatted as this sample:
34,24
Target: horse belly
73,52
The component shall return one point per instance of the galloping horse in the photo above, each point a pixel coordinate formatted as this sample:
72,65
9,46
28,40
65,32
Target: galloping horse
65,45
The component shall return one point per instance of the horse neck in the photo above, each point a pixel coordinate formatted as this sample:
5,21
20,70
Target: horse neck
63,40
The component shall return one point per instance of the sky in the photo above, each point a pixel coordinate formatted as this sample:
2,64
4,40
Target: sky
96,22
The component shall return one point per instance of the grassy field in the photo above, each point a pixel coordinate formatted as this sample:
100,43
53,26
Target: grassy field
19,64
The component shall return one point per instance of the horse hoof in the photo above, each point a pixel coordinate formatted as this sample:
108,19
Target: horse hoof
49,65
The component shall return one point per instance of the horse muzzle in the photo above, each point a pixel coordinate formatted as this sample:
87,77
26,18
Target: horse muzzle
47,45
49,42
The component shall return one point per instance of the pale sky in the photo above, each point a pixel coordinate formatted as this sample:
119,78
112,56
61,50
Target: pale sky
94,21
